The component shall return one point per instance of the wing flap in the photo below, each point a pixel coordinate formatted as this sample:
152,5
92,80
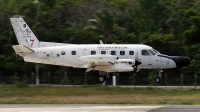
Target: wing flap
22,49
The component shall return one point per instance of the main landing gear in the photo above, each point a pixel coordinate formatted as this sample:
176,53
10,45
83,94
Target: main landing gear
104,76
157,79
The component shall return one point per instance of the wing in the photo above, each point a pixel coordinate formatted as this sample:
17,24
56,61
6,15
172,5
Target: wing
98,60
109,63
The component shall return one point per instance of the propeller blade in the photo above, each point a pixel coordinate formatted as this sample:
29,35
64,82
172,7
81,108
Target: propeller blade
137,62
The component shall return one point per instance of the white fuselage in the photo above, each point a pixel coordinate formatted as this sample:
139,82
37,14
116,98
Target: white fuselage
101,57
69,55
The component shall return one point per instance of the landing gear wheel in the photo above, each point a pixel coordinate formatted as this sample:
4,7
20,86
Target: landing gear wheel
102,79
157,79
108,76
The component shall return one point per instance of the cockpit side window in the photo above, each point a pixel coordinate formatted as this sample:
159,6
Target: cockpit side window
145,53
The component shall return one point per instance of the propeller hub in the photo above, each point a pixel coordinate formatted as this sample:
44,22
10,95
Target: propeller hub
137,62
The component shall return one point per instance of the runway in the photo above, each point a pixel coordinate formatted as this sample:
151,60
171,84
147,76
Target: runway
96,108
178,108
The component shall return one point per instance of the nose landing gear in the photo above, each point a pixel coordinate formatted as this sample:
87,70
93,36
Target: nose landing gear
157,79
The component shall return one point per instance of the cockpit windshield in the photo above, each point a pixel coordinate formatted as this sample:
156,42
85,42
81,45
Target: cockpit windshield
156,51
149,52
152,52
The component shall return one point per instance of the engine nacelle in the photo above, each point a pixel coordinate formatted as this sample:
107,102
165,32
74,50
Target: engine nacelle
128,61
117,67
99,58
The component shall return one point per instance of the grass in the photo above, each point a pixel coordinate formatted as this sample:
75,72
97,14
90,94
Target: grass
96,95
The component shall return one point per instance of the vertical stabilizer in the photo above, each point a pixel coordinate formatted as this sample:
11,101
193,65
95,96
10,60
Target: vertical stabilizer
24,34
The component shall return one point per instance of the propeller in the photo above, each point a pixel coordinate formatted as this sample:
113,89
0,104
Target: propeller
136,63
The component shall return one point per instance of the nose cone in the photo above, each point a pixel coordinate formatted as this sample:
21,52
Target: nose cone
180,60
137,62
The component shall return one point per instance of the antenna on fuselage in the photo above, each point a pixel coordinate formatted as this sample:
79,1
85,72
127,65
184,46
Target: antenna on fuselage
101,42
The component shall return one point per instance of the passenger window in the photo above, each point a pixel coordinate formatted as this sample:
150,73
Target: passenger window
103,52
145,53
62,52
122,52
93,52
113,52
73,52
131,52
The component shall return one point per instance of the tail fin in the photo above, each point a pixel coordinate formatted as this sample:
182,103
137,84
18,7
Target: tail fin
24,34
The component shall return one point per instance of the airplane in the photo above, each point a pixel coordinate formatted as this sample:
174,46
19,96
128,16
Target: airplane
108,58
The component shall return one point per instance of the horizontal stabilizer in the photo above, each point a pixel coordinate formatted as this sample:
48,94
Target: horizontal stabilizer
22,49
39,60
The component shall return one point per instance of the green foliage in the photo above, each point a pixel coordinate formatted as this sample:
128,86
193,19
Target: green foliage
19,82
103,23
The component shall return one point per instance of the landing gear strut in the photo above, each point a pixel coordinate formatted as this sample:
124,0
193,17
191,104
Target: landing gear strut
108,76
157,79
104,76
